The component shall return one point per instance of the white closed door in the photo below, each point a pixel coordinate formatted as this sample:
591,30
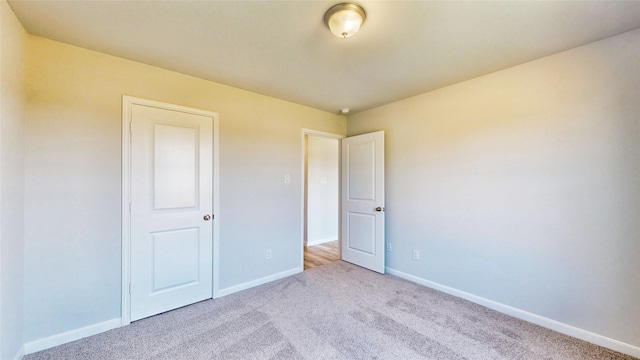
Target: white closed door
171,209
363,200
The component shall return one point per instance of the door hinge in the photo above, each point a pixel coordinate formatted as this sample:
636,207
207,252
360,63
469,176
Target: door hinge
130,127
129,288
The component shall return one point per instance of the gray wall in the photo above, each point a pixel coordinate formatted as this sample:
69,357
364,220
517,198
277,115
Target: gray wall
523,186
12,97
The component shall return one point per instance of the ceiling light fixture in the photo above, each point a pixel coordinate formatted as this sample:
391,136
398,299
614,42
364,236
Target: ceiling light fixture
344,20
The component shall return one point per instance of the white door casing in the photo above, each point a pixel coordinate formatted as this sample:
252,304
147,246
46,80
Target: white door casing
305,135
363,201
171,208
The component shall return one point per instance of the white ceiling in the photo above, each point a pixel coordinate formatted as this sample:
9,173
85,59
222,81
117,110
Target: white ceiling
283,49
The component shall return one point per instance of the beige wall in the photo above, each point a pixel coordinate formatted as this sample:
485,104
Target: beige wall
522,187
73,174
13,42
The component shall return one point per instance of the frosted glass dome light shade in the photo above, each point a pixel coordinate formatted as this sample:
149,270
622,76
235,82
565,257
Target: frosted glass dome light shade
345,19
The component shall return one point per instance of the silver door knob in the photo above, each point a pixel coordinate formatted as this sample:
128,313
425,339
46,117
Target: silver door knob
378,208
207,217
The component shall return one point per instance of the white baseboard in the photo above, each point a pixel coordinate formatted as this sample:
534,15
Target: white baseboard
527,316
72,335
322,241
253,283
19,354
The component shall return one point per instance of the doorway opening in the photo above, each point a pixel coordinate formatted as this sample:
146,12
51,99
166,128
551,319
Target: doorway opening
321,198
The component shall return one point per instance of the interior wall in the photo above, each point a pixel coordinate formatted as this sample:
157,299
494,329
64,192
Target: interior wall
322,189
73,177
522,186
13,42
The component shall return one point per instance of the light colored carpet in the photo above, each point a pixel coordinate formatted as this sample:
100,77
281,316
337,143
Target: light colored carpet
336,311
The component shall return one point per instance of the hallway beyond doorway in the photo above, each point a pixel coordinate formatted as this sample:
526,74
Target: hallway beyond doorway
321,254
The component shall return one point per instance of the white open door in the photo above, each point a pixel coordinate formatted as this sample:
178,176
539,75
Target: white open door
363,200
171,216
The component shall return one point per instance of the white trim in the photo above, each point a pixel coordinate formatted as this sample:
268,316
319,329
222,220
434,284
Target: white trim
216,206
303,188
69,336
527,316
322,241
322,134
257,282
125,308
127,103
19,354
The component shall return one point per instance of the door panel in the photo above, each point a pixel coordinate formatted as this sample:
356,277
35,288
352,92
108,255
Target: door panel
361,171
361,231
175,259
171,192
363,200
175,179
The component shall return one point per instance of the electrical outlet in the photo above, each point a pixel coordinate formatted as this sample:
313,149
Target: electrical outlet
268,254
388,246
287,178
416,255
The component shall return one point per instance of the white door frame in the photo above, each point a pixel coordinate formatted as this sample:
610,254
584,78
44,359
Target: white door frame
311,132
127,104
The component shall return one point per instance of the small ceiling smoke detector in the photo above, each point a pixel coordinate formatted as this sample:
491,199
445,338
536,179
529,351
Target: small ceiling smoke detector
344,20
345,110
